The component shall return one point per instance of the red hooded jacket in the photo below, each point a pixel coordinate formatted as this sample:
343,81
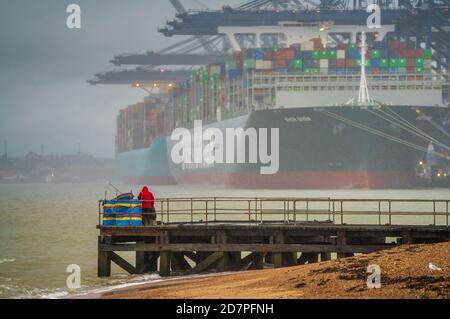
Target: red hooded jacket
147,198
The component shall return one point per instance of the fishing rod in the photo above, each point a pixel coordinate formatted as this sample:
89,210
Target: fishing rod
115,188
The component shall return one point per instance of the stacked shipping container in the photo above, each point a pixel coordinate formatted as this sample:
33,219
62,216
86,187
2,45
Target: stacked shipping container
312,58
223,90
138,124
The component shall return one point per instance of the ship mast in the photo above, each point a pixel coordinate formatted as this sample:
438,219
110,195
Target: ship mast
363,97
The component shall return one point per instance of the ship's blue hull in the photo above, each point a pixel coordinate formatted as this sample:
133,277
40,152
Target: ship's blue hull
146,166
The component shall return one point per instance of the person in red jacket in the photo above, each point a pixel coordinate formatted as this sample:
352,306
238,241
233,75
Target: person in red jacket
148,206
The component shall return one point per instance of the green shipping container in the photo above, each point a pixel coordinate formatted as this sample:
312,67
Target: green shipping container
393,63
358,63
402,63
384,63
316,55
352,46
332,54
204,75
298,64
419,69
375,54
427,54
249,64
419,62
231,65
311,70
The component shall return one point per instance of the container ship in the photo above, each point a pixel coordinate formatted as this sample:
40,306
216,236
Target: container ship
326,138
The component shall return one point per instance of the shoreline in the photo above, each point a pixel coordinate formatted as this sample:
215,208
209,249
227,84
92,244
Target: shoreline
108,291
404,274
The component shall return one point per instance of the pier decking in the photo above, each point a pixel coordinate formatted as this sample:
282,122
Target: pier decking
194,235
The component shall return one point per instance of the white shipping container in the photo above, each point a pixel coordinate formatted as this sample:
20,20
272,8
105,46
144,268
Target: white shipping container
263,65
323,64
268,65
427,63
340,54
214,69
307,46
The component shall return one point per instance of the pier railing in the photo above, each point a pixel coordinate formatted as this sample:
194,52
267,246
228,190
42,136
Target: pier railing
300,210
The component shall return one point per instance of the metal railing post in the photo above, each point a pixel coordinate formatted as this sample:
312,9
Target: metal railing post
192,211
295,212
206,216
162,211
329,209
261,210
307,210
390,218
288,209
446,212
249,211
99,213
215,209
256,209
434,212
334,211
379,212
168,211
342,214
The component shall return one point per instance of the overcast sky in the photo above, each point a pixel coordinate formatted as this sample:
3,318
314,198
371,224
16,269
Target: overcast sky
44,96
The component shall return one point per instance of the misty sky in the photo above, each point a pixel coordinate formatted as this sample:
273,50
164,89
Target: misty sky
44,96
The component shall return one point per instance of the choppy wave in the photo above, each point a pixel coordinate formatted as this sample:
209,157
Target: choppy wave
14,290
6,260
117,284
19,292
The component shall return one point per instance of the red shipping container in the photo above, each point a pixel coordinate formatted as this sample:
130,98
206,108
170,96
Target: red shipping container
285,54
368,54
342,46
279,64
411,62
410,53
319,47
375,70
418,53
268,55
396,44
410,69
349,63
340,63
403,53
317,43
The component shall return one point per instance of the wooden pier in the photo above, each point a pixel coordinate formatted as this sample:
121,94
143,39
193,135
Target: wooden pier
195,235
